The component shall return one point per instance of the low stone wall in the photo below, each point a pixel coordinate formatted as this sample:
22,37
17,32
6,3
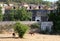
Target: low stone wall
5,26
13,22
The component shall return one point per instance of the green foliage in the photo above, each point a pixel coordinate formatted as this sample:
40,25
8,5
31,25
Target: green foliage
55,17
20,29
1,15
35,1
9,16
28,1
21,1
0,10
35,25
47,3
22,14
5,17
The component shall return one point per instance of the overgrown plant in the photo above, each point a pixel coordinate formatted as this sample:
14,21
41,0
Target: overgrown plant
20,29
35,25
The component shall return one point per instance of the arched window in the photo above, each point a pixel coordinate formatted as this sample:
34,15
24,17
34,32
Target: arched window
30,7
14,7
39,7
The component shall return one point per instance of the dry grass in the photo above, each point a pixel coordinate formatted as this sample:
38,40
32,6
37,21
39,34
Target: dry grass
28,37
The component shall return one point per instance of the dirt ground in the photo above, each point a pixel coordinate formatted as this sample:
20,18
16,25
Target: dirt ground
28,37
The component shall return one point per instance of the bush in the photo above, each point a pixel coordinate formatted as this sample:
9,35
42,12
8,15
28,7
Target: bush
35,25
20,29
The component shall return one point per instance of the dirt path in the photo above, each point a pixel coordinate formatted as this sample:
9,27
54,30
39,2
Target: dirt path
28,37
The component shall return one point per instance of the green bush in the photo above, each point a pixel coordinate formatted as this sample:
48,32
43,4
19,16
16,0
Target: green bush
35,25
20,29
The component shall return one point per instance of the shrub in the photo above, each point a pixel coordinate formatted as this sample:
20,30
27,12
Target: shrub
35,25
20,29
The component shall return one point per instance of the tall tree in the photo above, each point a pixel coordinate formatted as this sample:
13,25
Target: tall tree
55,17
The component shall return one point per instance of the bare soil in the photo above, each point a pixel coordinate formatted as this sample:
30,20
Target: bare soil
28,37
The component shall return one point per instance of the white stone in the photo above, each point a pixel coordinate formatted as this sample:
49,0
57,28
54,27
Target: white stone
37,18
45,25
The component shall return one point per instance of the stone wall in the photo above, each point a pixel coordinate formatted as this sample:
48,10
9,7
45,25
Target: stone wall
6,26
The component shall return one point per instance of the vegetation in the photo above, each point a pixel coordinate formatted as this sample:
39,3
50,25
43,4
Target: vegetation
35,25
21,1
20,29
27,1
11,15
20,14
47,3
1,15
55,17
34,28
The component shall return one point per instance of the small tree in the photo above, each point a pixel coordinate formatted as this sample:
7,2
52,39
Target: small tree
20,29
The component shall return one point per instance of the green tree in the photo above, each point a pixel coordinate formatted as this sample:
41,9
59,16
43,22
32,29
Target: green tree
1,15
9,16
20,29
19,14
55,17
22,14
